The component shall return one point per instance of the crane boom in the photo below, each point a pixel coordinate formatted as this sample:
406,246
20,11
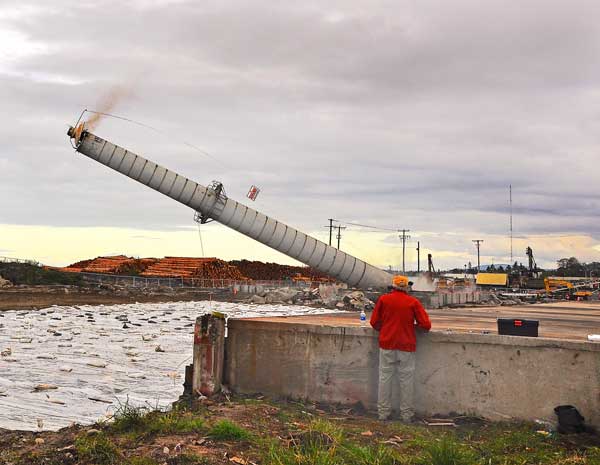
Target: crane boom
211,203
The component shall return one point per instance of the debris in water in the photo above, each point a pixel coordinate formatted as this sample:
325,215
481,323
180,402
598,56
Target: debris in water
45,387
99,364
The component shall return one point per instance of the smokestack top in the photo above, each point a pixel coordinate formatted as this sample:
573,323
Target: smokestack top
76,133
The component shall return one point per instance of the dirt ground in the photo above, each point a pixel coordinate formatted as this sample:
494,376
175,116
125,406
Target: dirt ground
258,431
36,297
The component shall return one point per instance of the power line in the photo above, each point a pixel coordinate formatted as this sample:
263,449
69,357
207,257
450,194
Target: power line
162,133
351,223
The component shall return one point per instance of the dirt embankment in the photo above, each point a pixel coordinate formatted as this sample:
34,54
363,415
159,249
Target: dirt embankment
251,431
35,297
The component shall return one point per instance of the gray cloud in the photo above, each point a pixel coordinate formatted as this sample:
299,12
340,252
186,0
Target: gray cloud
407,114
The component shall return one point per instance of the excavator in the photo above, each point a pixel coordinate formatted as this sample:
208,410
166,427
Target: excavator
567,289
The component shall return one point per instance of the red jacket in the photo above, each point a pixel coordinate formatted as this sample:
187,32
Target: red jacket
394,317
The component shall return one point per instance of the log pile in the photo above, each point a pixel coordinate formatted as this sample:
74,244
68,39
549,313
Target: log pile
118,264
198,268
274,271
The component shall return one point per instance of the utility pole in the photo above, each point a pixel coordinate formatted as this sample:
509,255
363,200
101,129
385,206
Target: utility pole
339,234
477,244
511,221
331,220
418,257
403,238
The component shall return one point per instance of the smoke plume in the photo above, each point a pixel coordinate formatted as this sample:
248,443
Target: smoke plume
106,105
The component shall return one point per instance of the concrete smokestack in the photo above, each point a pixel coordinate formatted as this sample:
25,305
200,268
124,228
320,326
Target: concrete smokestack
212,203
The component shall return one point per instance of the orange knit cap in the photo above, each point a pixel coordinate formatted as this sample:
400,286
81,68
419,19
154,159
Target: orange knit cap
400,281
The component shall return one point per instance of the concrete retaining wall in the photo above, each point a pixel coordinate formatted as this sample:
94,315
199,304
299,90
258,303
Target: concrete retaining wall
496,377
443,299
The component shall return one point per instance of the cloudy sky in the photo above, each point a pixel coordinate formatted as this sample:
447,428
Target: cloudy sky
395,114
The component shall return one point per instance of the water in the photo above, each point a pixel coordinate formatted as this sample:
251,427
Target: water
83,338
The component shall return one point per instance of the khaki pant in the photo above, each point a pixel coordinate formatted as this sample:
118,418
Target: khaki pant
396,365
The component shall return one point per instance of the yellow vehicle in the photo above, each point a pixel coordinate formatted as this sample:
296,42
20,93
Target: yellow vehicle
566,288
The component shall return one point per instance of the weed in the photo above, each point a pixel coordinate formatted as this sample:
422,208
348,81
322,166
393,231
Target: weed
446,451
173,423
362,455
128,418
97,449
141,461
225,430
188,459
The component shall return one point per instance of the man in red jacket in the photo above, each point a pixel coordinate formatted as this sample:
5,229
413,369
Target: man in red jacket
394,317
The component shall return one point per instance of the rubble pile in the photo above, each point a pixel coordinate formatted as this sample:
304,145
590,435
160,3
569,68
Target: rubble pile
261,271
329,296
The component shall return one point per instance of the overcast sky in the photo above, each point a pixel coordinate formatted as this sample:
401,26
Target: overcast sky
397,114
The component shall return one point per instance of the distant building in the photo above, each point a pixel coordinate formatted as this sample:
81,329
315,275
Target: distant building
492,279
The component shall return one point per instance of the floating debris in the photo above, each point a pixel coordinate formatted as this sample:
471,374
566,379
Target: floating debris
45,387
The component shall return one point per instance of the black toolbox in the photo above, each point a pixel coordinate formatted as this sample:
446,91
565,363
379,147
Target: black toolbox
518,327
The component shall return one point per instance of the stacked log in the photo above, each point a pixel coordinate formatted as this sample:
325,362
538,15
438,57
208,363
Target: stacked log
197,268
118,264
274,271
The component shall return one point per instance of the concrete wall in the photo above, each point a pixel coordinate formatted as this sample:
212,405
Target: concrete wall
442,299
496,377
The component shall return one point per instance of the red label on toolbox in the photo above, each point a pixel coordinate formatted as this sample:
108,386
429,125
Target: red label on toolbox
518,323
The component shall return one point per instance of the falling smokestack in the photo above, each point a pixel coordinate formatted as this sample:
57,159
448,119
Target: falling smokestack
212,203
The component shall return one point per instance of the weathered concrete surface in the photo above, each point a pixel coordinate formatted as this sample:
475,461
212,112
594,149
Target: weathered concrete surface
496,377
441,299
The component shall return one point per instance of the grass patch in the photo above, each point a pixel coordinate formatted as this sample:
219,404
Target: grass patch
173,423
188,459
98,449
325,443
141,461
369,455
129,419
226,430
447,451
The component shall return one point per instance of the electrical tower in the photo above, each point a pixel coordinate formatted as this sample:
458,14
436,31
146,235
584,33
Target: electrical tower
418,257
477,244
403,238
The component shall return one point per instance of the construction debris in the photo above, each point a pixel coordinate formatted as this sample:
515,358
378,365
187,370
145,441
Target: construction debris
328,296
